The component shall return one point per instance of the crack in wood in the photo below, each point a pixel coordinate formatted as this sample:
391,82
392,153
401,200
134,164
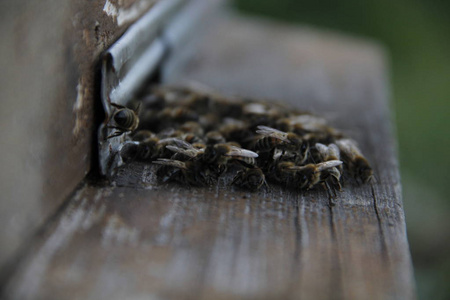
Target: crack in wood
336,277
383,245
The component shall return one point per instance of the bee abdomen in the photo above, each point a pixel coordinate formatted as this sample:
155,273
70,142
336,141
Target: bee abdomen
125,118
265,144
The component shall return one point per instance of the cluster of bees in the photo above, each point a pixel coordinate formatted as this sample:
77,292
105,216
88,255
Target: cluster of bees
196,137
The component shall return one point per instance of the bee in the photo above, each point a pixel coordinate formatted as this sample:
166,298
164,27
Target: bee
192,127
209,121
272,137
290,142
283,172
260,114
184,172
153,148
254,109
177,114
129,151
214,137
269,138
226,108
200,103
220,154
154,101
354,161
199,145
236,130
149,120
186,150
141,135
306,177
250,178
191,138
125,119
328,153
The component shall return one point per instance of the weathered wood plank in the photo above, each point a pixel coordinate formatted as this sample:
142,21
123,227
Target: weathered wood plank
171,242
48,56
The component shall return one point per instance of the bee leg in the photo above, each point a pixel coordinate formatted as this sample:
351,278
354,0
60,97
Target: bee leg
138,109
327,189
330,196
118,106
334,190
236,178
336,184
108,119
266,184
117,133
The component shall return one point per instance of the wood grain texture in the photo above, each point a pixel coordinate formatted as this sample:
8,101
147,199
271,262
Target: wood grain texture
137,239
48,57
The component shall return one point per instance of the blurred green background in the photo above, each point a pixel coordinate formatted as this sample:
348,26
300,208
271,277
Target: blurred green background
417,35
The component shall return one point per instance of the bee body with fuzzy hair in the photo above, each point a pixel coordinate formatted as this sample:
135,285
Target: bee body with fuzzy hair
357,165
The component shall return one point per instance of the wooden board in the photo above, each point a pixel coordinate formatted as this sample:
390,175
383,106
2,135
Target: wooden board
136,239
48,82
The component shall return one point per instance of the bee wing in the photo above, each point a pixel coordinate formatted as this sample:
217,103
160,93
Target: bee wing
333,150
349,147
322,149
175,141
254,108
277,154
236,151
308,120
191,152
170,162
328,164
272,132
297,168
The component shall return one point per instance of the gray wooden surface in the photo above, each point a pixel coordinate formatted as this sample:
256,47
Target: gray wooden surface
142,240
48,82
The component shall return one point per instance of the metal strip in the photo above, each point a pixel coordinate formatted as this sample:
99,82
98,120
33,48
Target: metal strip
120,60
136,55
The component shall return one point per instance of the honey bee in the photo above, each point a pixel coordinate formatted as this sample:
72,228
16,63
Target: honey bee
185,172
289,141
257,113
283,172
250,178
230,109
310,127
153,148
328,153
192,127
154,101
125,119
149,120
200,103
191,138
177,114
236,130
354,161
214,137
306,177
129,151
220,154
141,135
270,138
187,150
281,136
